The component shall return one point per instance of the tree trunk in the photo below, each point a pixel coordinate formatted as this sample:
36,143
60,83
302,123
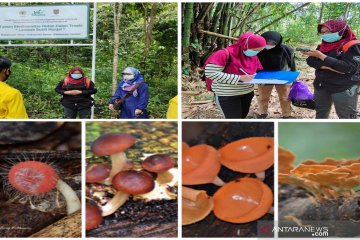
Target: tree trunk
321,13
67,227
216,20
188,18
347,10
148,32
117,16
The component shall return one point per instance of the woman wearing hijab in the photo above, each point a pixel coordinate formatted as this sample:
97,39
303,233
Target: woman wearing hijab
336,60
135,94
233,97
76,89
275,57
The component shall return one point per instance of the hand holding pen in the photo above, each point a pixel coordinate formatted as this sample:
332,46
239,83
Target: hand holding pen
246,77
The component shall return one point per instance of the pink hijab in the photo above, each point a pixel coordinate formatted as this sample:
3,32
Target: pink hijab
336,26
239,60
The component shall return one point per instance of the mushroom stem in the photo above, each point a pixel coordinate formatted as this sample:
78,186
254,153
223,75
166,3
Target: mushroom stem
72,201
191,194
164,177
196,205
118,162
260,175
218,182
117,201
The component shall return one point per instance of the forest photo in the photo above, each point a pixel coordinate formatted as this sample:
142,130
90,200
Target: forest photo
136,37
210,27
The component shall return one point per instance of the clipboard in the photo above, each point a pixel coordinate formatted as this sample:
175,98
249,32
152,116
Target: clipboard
274,77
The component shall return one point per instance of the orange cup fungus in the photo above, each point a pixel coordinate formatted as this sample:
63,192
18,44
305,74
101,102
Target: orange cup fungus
196,205
185,146
248,155
328,179
242,201
200,165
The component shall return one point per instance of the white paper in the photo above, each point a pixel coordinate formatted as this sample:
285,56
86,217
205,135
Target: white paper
265,81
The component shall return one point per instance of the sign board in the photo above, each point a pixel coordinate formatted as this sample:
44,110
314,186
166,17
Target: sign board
44,22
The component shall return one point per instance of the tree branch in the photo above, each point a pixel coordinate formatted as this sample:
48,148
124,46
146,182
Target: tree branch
218,35
283,16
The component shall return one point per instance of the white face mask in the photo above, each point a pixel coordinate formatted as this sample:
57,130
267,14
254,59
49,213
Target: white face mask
268,47
128,77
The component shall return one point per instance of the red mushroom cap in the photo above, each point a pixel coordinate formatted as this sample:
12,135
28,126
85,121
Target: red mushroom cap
33,177
97,172
93,216
158,163
112,143
133,182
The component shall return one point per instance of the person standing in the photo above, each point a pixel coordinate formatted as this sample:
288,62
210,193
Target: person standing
336,60
134,93
229,68
76,90
11,100
275,57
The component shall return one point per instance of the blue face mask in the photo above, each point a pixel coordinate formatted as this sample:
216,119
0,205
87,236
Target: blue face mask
331,37
76,75
251,53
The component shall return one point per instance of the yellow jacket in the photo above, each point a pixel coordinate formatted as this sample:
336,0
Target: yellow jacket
172,111
11,103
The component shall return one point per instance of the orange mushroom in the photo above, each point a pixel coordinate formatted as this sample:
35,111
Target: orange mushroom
242,201
196,205
185,146
248,155
201,165
286,159
302,169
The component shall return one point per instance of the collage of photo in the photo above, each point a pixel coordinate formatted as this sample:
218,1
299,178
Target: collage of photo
177,119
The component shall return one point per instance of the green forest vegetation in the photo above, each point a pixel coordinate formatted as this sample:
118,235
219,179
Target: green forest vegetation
317,141
152,49
208,27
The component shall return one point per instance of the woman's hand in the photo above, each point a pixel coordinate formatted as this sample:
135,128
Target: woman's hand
138,112
246,78
111,106
315,53
73,92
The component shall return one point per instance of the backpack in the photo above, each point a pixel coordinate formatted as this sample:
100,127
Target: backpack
209,81
289,54
87,83
356,76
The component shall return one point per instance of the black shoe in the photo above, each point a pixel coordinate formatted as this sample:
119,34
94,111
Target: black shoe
262,116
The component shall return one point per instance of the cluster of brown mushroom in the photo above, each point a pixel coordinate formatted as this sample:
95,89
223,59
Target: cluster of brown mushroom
328,179
121,175
240,201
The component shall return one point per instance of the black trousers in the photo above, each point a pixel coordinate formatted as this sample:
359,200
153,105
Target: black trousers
235,107
84,113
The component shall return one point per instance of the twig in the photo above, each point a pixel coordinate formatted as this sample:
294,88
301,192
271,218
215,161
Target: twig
201,102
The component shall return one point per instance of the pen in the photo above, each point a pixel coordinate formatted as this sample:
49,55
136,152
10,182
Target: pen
246,72
243,71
